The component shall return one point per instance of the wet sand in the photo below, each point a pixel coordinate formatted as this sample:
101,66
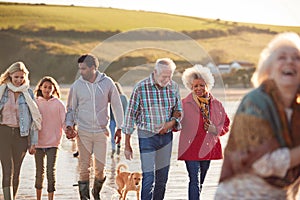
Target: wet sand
67,171
67,175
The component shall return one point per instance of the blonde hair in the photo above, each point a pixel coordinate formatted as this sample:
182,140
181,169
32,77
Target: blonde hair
264,66
197,72
15,67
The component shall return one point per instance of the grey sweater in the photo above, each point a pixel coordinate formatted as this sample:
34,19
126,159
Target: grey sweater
88,104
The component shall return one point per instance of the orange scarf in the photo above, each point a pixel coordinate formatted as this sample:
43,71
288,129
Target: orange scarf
203,103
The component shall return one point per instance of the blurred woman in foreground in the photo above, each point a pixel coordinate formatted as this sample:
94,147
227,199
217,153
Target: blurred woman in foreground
262,154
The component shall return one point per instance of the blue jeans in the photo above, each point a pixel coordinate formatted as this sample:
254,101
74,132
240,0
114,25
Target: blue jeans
155,154
195,168
112,128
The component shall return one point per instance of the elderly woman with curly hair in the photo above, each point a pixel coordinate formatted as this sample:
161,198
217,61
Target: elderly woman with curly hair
204,120
261,159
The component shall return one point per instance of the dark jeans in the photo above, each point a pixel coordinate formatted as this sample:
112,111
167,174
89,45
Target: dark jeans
155,154
13,149
112,128
195,168
39,156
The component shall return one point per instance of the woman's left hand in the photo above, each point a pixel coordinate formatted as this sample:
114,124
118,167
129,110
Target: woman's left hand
211,128
32,150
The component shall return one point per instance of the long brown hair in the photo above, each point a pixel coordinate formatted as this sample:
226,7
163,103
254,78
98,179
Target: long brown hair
56,90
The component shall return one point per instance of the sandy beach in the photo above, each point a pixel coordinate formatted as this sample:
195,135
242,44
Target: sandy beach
67,175
177,186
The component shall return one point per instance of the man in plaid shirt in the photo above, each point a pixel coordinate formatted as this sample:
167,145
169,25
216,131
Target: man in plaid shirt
155,107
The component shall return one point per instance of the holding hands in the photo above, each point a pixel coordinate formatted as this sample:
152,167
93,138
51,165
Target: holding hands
71,132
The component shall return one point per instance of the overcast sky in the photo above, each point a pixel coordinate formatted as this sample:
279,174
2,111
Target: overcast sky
277,12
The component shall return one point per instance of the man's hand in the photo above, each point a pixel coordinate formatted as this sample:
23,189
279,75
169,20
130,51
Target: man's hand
128,152
167,126
71,133
118,136
176,114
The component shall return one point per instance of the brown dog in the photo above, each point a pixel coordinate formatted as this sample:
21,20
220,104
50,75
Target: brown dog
128,181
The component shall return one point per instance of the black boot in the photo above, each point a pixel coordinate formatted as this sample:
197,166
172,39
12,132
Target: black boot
84,190
97,188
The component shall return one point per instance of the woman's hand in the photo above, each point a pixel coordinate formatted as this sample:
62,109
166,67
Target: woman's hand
31,149
210,127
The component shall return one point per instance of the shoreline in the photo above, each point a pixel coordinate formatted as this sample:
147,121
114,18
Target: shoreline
224,94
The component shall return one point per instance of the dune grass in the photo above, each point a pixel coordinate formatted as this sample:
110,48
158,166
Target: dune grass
89,19
49,38
106,19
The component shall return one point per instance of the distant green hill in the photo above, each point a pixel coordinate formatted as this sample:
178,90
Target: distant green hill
50,38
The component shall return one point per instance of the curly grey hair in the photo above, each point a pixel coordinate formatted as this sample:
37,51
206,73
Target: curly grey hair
197,72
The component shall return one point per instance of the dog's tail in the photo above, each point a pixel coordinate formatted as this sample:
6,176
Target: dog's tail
121,166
